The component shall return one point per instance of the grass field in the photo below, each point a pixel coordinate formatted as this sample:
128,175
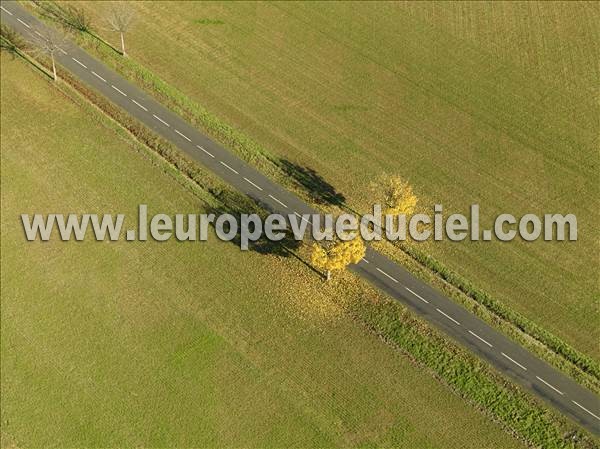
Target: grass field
494,104
164,344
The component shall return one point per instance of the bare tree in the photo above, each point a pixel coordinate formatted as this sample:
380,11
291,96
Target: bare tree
119,19
49,42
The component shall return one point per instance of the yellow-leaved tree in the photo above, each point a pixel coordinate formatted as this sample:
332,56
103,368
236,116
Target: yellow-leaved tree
337,255
398,197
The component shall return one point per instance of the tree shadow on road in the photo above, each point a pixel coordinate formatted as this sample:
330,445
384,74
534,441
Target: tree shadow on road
74,19
236,204
320,191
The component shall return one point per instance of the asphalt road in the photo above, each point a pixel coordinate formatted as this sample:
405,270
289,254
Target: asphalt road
506,356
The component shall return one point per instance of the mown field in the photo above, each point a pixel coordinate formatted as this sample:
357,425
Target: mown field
495,104
178,344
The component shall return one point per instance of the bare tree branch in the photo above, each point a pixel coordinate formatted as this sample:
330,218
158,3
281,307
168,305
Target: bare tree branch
119,19
49,42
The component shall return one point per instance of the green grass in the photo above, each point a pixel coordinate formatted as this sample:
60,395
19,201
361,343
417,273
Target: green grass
466,375
167,344
524,330
469,113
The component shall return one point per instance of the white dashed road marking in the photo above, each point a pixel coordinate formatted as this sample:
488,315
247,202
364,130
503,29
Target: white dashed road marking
85,67
98,76
118,90
514,361
275,199
477,336
160,120
585,409
448,316
141,106
365,260
250,182
303,218
387,275
184,136
38,33
232,169
207,152
24,23
6,10
62,51
420,297
554,388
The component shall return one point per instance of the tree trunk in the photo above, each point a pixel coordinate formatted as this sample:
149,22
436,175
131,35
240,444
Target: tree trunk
328,274
123,45
54,68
